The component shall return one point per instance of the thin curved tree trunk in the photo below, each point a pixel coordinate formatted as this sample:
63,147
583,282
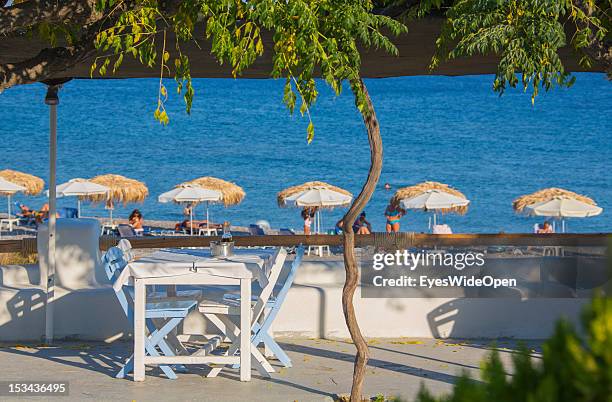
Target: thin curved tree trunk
350,262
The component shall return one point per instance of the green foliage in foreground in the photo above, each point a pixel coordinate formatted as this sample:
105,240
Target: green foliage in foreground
527,36
575,367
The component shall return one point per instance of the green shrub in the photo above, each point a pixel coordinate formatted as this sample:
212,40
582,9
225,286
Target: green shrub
575,367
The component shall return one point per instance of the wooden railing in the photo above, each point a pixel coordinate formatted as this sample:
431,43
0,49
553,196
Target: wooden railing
397,240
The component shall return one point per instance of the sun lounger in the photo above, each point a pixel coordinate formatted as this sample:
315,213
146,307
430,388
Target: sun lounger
286,232
256,230
126,231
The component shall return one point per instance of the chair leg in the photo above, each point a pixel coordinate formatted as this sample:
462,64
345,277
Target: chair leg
276,349
155,339
230,329
262,334
128,367
162,344
163,339
261,364
257,327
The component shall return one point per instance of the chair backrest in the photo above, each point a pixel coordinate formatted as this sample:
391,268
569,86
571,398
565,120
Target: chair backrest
282,293
114,262
125,246
275,269
126,231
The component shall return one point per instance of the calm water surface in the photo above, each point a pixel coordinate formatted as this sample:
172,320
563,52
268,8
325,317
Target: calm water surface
453,130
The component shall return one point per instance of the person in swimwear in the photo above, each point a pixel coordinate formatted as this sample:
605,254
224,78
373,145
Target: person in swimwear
393,213
361,225
308,215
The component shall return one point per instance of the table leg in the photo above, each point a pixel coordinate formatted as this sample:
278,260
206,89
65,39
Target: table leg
139,330
245,330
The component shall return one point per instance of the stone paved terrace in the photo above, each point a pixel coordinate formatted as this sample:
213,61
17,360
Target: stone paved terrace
322,369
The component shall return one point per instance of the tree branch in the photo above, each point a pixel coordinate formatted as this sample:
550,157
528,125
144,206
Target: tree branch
26,14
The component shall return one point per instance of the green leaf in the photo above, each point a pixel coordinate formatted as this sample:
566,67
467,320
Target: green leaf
310,130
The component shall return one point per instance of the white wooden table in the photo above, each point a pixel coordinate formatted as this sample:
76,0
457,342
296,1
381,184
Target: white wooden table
194,267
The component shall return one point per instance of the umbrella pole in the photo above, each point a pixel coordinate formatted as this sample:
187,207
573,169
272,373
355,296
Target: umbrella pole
562,225
207,220
191,221
9,206
78,208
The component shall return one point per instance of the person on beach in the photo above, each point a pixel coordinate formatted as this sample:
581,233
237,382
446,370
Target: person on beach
393,213
25,211
184,225
307,215
43,214
361,225
338,227
187,210
136,220
545,228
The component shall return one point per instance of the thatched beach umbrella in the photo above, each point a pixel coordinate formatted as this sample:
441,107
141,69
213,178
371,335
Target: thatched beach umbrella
231,193
121,190
33,185
556,203
8,188
314,194
432,196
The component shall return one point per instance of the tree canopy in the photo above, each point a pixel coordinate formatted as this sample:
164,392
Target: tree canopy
308,38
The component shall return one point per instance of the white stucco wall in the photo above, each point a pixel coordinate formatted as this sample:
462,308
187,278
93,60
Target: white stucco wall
312,308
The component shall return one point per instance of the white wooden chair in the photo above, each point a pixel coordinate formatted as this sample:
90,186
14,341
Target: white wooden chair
168,313
265,308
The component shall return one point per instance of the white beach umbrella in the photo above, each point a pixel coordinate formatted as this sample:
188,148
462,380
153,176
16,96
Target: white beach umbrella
320,197
9,188
191,194
434,200
561,208
80,188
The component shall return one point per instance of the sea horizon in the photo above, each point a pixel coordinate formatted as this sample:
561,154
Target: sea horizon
455,130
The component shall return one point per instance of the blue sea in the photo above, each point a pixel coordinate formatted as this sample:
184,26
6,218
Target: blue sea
449,129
